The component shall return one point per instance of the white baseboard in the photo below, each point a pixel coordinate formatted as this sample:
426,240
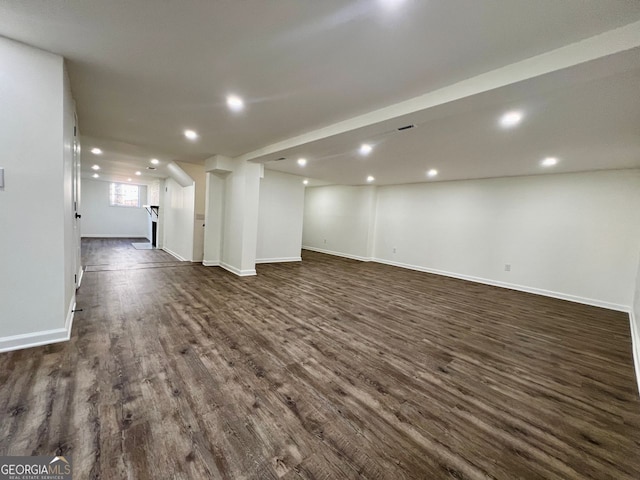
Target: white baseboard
114,235
37,339
80,277
635,344
512,286
229,268
237,271
174,254
279,260
337,254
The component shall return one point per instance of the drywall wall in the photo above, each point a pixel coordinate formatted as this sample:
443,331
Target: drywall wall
280,218
214,225
635,325
35,296
240,218
232,200
340,220
71,237
178,218
636,304
99,219
574,236
197,173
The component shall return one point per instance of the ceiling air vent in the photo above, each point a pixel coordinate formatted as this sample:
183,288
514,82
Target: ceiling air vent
151,168
406,127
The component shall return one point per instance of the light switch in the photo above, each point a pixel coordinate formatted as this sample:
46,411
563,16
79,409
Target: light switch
1,177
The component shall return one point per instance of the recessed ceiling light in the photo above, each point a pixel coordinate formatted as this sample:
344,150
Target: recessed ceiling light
302,162
511,119
549,162
365,149
370,179
391,4
155,161
95,175
432,173
138,173
235,103
190,134
128,179
306,182
96,151
96,167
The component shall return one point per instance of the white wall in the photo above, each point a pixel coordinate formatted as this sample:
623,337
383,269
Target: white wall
635,325
636,305
571,235
240,218
215,208
71,239
340,220
280,218
35,113
99,219
178,217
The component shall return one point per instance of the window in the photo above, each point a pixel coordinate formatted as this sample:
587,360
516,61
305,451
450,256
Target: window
124,195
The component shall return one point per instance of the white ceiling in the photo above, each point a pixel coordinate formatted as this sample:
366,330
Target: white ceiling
142,71
120,161
588,117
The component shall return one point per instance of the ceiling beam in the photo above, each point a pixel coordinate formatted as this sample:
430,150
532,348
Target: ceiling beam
607,43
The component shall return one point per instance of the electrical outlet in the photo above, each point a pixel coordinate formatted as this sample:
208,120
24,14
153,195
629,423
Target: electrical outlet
325,240
507,267
394,249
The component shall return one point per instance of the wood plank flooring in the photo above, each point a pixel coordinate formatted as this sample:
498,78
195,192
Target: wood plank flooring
325,369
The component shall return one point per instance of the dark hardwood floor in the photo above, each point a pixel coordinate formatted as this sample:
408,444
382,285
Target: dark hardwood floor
325,369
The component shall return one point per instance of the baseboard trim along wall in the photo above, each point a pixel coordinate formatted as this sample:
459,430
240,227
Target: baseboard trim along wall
635,344
135,236
494,283
174,254
337,254
279,260
37,339
230,268
237,271
512,286
80,277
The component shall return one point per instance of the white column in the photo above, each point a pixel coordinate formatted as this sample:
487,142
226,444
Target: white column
231,231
